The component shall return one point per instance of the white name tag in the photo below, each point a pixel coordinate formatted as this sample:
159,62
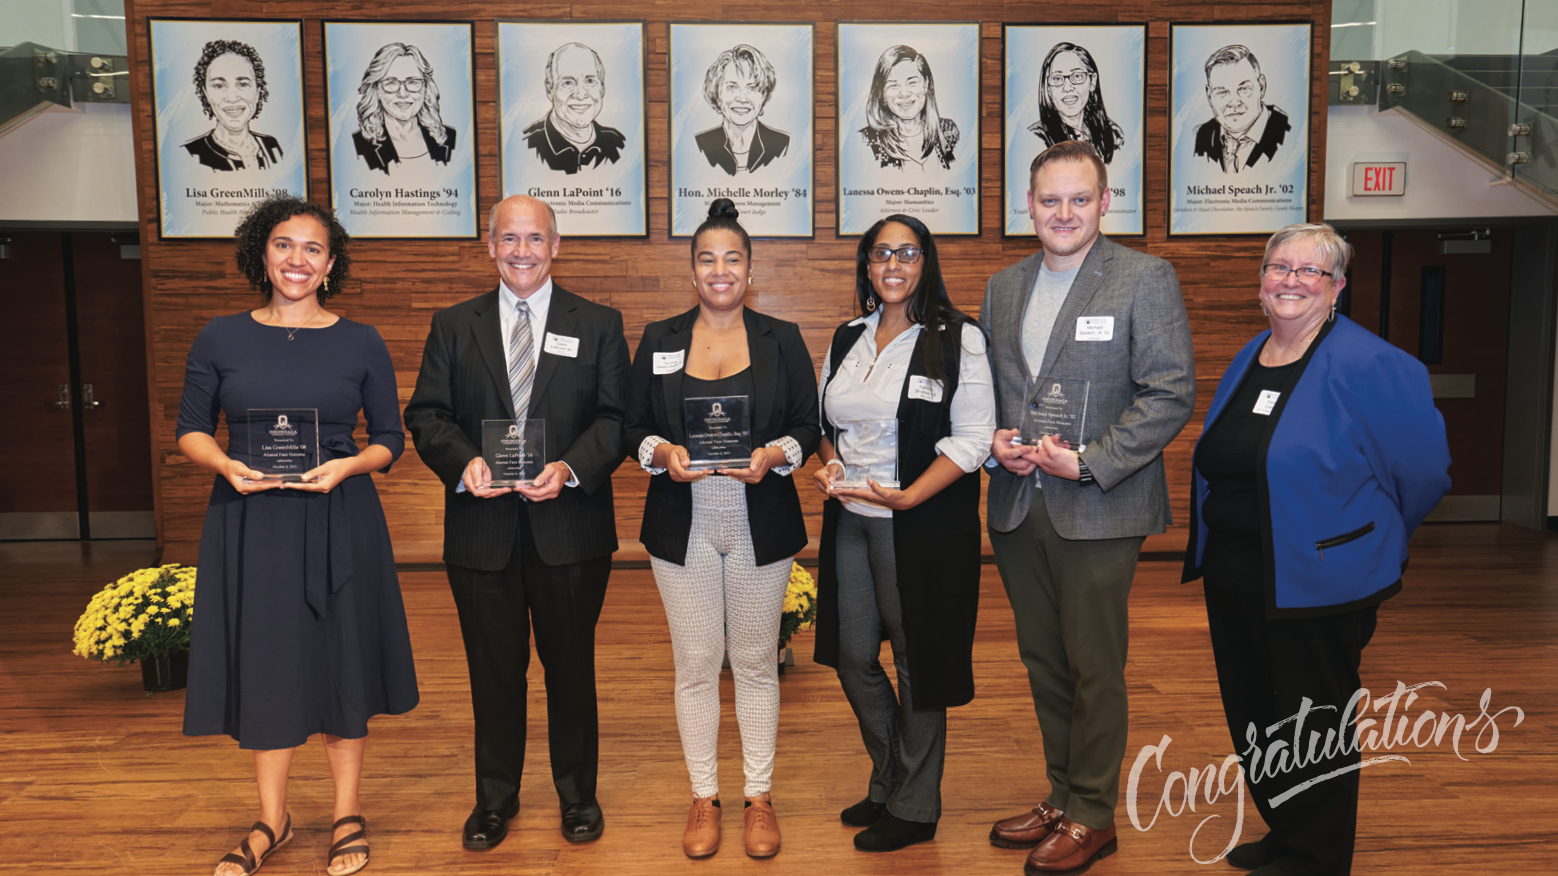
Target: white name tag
670,363
1095,328
1266,402
558,345
925,389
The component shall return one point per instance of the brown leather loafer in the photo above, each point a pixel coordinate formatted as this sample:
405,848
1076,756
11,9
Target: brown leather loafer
1026,830
762,827
702,837
1071,848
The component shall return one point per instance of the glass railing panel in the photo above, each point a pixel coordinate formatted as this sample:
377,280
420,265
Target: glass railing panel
1534,139
1465,110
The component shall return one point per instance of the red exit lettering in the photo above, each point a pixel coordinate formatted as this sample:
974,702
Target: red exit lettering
1378,179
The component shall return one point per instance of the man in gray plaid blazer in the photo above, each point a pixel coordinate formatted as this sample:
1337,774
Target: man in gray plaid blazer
1067,522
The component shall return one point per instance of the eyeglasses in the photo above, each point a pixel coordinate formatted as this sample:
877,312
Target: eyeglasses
413,86
1306,274
1078,77
907,254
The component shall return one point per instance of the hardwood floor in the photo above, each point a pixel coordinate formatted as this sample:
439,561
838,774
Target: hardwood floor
95,776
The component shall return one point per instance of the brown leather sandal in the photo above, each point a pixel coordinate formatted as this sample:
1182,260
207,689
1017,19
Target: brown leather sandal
344,847
248,861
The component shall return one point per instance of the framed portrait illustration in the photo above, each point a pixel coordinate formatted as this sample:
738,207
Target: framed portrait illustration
1239,127
908,123
741,125
571,122
228,126
1074,82
401,104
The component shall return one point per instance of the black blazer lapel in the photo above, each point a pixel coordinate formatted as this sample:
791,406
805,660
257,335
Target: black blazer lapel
763,350
488,329
677,337
562,318
1089,279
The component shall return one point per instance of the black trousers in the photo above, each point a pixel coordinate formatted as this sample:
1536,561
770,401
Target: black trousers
495,611
1265,668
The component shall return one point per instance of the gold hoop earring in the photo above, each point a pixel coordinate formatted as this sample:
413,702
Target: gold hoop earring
870,303
327,282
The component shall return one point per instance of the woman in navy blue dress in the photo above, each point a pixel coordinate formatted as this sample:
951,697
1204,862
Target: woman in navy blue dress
299,626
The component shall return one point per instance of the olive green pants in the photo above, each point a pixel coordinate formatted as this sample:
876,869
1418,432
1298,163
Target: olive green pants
1073,628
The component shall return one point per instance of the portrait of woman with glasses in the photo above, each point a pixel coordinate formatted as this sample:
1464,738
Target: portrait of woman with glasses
901,561
1071,102
397,112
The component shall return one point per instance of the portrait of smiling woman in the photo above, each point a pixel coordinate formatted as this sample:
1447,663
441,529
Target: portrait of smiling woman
738,85
1071,102
398,114
230,82
903,126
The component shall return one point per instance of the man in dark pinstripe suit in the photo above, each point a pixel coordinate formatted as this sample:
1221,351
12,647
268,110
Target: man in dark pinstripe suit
527,349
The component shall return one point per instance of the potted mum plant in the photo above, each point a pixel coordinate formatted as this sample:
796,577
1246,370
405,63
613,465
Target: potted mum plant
800,609
144,617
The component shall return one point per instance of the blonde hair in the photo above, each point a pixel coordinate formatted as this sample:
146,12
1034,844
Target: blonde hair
1332,247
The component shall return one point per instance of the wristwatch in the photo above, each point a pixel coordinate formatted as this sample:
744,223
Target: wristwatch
1084,476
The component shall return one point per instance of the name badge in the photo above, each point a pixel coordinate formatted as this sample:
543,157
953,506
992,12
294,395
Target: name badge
1266,402
1095,328
558,345
924,389
670,363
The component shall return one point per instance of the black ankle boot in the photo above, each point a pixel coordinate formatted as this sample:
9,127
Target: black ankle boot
863,814
1248,856
891,833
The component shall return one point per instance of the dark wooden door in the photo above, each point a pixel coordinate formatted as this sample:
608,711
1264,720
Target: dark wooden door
75,459
1469,370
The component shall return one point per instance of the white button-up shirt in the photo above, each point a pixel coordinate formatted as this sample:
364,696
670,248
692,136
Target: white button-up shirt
869,384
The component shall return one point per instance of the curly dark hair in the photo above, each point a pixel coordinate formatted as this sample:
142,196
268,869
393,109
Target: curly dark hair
216,49
253,235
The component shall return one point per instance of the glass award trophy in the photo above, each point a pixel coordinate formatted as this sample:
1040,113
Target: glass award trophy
872,456
719,431
1056,406
283,442
515,451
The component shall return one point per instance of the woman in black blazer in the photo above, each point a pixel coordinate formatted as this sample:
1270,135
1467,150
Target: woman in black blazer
721,540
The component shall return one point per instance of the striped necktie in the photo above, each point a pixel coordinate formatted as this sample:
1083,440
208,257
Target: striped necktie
522,368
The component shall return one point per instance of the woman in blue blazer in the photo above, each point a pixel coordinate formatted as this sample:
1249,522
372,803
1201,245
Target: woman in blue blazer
1322,452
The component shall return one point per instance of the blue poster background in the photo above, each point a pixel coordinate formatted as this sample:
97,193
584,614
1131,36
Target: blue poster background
775,200
1121,55
606,200
431,199
196,200
946,199
1203,199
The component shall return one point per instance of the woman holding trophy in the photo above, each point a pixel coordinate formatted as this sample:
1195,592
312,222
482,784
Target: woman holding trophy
301,626
722,410
908,411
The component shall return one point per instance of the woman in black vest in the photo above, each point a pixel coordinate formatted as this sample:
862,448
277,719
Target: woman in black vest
902,564
721,541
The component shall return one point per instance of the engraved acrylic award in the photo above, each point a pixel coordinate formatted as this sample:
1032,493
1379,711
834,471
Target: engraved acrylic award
872,456
1056,406
719,431
283,442
515,450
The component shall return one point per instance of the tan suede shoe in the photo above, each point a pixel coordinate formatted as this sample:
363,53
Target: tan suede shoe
702,836
762,827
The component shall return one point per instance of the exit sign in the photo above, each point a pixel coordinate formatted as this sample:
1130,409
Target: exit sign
1379,178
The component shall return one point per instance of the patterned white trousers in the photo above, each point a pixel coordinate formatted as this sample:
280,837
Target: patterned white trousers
720,601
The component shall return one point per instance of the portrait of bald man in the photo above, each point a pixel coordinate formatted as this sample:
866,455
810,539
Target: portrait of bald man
568,138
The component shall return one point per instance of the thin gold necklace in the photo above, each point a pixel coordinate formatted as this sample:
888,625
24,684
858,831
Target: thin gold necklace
291,331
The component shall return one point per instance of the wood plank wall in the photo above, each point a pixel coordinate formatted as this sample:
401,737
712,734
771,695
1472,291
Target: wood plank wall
399,285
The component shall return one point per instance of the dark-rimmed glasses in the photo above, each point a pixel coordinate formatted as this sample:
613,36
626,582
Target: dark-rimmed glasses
1307,275
907,254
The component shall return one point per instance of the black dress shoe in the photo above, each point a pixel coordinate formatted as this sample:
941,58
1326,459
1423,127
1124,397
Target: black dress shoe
1248,856
486,828
863,814
582,822
891,833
